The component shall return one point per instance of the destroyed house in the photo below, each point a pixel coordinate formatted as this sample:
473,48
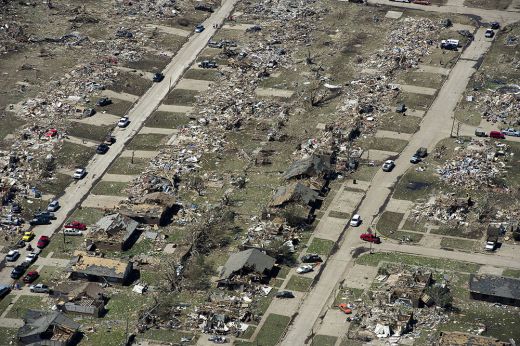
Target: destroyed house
495,289
294,193
47,328
247,262
409,288
93,268
312,166
90,300
114,232
465,339
155,208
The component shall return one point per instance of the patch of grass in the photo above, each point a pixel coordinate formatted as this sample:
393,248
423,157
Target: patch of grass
459,231
25,303
389,222
125,165
488,4
299,283
364,172
169,335
459,244
5,302
466,115
262,304
415,185
110,188
408,237
321,246
131,84
400,123
248,333
150,141
9,124
149,62
113,335
181,97
118,107
88,216
349,342
347,294
514,273
282,274
272,330
324,340
414,225
7,336
422,79
415,101
61,250
339,214
385,144
420,261
167,120
55,185
72,155
91,132
202,74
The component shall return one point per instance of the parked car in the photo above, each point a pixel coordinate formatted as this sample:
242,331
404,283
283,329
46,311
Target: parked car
344,307
304,269
371,238
415,159
11,220
28,236
495,25
39,288
123,122
422,152
104,101
207,64
356,220
284,294
20,244
450,44
43,241
79,173
511,132
72,231
480,133
31,257
4,290
30,276
158,77
46,213
102,148
491,243
311,258
217,339
53,206
40,220
12,256
109,140
489,33
76,225
18,271
199,28
497,134
388,165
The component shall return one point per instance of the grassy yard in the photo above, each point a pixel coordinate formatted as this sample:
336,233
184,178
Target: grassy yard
385,144
207,74
7,336
125,165
261,305
389,222
55,185
167,120
408,237
414,225
400,123
110,188
272,330
459,244
90,132
181,97
514,273
25,303
299,283
324,340
63,250
87,216
72,155
423,79
168,335
5,302
9,124
150,141
488,4
415,185
436,263
118,107
320,246
364,173
414,101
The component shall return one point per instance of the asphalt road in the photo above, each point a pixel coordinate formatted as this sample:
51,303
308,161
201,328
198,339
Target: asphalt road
143,108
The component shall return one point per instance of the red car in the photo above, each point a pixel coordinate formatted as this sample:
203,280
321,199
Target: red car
43,241
76,225
370,238
30,276
497,134
51,133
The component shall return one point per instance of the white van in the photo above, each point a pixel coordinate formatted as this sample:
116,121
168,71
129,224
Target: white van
72,231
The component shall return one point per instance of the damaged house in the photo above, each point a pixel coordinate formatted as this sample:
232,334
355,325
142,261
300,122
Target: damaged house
47,328
495,289
465,339
93,268
114,232
251,261
409,288
90,299
294,193
155,208
315,169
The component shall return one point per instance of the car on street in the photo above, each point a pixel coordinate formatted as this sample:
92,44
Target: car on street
123,122
39,288
12,256
497,135
284,294
311,258
30,276
4,290
511,132
489,33
104,101
40,220
28,236
53,206
388,165
158,77
31,257
356,220
76,225
18,271
79,173
43,241
102,149
495,25
371,238
199,28
304,269
415,159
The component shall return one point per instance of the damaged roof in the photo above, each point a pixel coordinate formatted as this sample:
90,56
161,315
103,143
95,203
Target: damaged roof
115,223
97,266
37,322
497,286
295,192
310,166
251,258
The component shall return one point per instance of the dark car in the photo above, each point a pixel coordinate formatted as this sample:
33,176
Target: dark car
489,33
199,28
415,159
102,148
208,64
284,294
31,276
4,290
15,208
46,213
43,241
17,272
421,152
311,258
40,220
104,101
158,77
495,25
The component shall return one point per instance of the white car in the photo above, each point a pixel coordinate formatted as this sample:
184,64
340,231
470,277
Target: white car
12,256
123,122
388,165
53,206
31,257
304,269
80,173
39,288
356,220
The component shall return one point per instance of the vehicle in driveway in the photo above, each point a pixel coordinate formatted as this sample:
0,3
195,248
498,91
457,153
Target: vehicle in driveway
30,276
284,294
480,133
344,307
511,132
497,134
371,238
39,288
123,122
18,271
31,257
311,258
104,101
53,206
450,44
72,231
43,241
356,220
388,166
304,269
491,243
415,159
12,256
102,149
28,236
489,33
79,173
76,225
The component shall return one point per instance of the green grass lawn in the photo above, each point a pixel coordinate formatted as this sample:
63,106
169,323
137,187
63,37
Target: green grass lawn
207,74
385,144
167,120
125,165
414,225
7,336
55,185
72,155
168,335
110,188
91,132
299,283
25,303
324,340
272,330
389,222
181,97
9,124
150,141
364,172
459,244
514,273
400,123
5,302
63,250
408,237
261,304
415,101
88,216
320,246
415,185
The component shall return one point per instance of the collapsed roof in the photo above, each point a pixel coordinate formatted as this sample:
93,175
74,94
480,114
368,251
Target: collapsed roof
313,165
253,259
